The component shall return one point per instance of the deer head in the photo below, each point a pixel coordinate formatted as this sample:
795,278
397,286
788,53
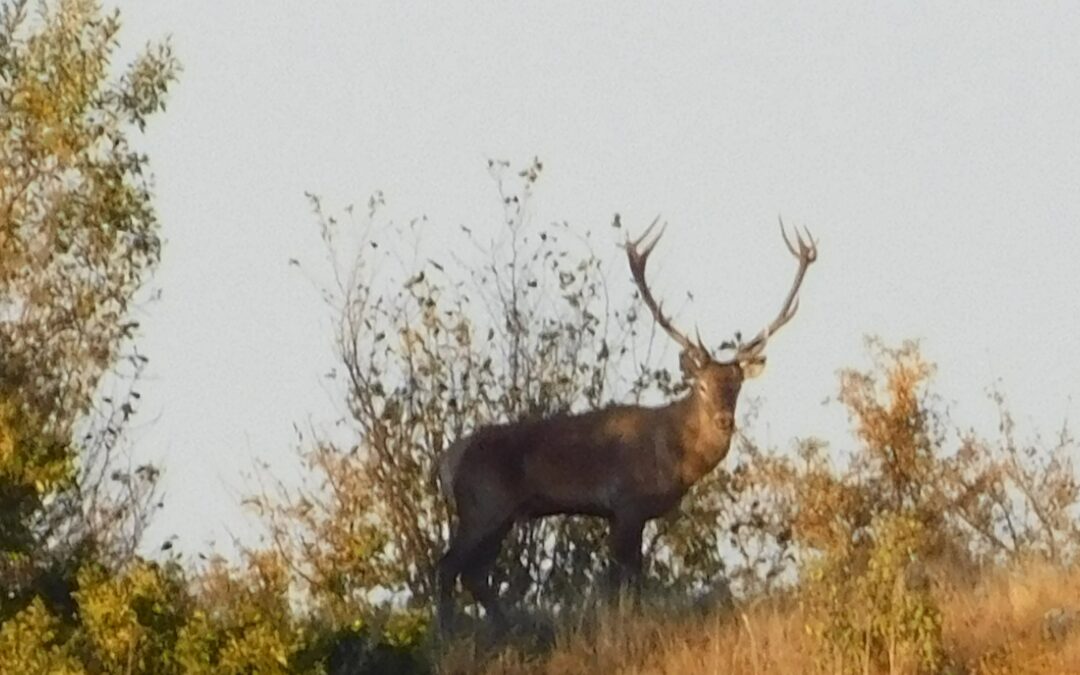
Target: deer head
715,383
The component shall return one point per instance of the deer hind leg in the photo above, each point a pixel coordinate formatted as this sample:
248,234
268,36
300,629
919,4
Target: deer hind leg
476,576
471,542
448,570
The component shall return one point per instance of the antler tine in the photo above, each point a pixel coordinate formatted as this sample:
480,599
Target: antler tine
638,258
700,342
787,242
645,235
806,248
806,253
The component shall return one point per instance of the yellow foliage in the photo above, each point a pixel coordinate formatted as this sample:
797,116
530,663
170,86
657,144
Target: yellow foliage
29,644
28,457
259,648
129,620
196,645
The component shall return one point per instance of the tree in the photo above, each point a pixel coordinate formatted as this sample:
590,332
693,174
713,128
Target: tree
432,345
78,240
428,351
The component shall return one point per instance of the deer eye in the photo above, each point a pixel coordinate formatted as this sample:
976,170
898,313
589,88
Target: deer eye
703,386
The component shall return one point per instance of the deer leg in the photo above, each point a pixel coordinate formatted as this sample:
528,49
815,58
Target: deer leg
476,576
466,546
626,549
445,578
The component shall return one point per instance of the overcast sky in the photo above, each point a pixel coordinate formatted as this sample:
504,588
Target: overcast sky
933,149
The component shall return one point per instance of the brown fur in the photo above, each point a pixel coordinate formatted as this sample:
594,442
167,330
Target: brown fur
627,464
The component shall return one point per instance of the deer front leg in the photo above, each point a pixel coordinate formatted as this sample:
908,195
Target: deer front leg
626,549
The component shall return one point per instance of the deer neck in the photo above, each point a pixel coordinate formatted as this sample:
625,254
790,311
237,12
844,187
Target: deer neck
704,444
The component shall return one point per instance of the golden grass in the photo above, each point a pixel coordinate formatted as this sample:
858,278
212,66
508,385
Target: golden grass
996,624
992,624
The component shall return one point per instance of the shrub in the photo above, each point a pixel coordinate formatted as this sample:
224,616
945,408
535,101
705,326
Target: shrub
869,603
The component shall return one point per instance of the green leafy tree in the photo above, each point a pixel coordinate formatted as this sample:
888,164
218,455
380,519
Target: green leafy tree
78,240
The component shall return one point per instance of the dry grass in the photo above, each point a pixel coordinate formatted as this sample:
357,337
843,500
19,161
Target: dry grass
993,624
766,639
996,624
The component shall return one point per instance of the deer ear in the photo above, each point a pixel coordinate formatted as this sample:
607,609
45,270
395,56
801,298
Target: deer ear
753,367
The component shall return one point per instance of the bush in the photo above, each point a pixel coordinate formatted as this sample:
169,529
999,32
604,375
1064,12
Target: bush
869,603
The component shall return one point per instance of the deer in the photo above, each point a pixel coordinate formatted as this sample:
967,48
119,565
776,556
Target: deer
628,464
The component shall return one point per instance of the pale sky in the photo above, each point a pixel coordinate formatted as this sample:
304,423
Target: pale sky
932,148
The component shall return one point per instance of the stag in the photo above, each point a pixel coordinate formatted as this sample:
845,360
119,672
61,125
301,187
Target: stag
628,464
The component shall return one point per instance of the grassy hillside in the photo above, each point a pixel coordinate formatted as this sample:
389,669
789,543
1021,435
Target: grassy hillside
997,623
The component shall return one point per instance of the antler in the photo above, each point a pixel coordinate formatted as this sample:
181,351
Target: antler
806,254
638,258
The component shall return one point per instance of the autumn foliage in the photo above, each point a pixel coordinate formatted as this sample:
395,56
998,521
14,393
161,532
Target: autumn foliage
911,547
